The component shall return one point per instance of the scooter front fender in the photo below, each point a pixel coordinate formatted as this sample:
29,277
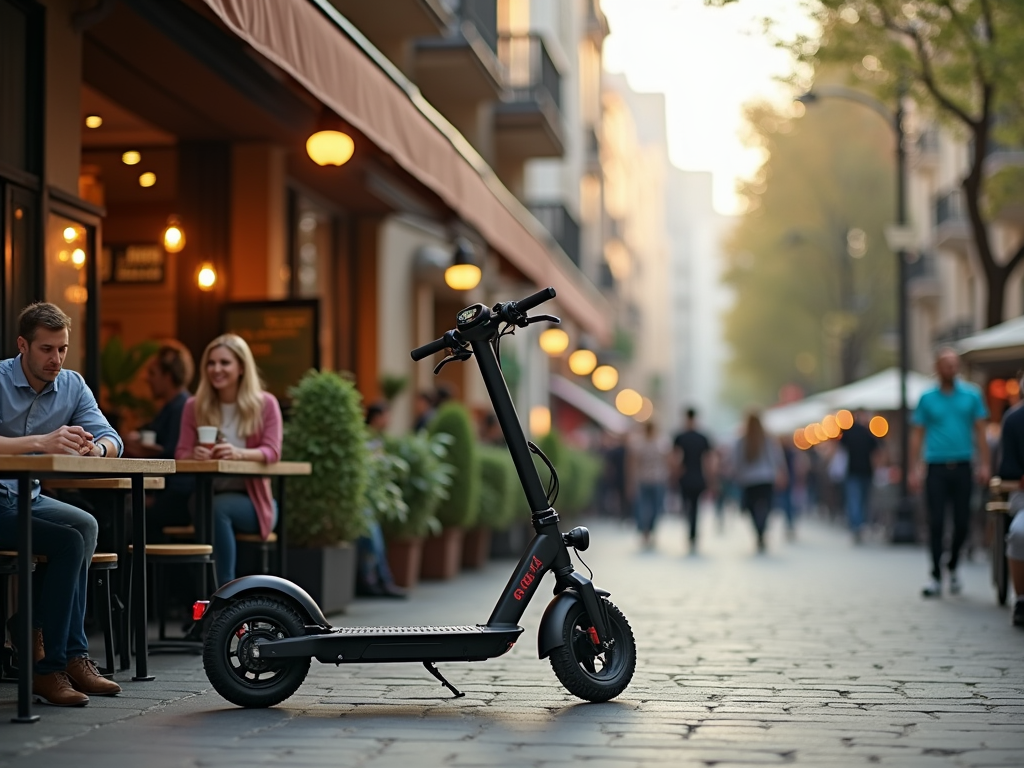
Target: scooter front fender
275,586
549,636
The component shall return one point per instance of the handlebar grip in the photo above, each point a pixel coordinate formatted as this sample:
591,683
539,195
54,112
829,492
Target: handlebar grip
535,299
431,348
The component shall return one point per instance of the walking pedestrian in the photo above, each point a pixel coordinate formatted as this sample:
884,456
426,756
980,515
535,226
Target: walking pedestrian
1011,467
759,469
861,449
692,454
950,419
649,457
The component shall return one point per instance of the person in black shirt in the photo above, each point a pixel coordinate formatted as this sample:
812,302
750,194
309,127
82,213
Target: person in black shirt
1011,467
692,450
860,446
168,375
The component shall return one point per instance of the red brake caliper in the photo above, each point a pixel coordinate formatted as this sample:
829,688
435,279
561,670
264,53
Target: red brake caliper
592,633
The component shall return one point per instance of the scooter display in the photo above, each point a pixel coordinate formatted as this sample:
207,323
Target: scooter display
261,632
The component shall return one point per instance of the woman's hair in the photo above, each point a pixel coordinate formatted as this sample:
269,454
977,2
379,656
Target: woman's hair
250,388
753,438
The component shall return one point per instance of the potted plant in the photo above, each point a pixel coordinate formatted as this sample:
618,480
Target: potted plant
424,485
327,509
119,367
499,490
442,554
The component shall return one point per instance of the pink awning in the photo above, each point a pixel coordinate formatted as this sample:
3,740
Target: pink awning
297,37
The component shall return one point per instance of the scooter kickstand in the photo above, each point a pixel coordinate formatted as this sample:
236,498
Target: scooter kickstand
429,666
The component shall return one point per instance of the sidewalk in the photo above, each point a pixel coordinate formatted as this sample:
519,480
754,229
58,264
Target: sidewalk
818,653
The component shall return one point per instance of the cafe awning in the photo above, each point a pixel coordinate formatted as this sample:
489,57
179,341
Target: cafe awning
590,405
305,38
998,344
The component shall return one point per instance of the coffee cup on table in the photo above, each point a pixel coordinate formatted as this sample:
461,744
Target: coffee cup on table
147,437
207,436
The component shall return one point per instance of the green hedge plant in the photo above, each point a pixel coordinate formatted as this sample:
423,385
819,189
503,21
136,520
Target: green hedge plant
326,429
424,483
500,493
460,509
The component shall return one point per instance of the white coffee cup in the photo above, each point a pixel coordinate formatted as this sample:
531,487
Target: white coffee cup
207,436
147,437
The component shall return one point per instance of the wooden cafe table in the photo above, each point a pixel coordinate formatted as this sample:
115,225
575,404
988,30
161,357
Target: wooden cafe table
24,469
207,471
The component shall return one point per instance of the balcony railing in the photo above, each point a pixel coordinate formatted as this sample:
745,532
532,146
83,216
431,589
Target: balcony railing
532,74
482,14
953,333
562,226
950,208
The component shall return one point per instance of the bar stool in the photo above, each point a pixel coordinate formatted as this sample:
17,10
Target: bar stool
160,556
99,583
8,568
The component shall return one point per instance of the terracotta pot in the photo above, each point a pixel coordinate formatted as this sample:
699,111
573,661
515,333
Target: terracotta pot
442,555
476,547
404,558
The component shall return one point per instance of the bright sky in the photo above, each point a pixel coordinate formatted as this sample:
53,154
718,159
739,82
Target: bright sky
708,62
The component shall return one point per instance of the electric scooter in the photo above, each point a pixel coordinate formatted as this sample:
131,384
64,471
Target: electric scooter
261,632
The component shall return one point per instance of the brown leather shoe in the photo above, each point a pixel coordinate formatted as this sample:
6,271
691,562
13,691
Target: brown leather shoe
87,679
56,689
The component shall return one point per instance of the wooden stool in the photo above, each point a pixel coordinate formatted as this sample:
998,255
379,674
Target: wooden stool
102,605
160,556
8,568
179,531
263,547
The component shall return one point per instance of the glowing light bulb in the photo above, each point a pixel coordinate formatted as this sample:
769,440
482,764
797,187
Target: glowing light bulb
554,341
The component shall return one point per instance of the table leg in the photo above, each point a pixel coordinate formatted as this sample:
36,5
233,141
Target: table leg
282,541
121,544
25,661
139,580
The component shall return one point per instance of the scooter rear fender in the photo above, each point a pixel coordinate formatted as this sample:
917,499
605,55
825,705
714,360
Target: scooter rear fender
549,636
274,586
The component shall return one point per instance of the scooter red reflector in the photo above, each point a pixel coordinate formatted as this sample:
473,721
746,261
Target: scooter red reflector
199,608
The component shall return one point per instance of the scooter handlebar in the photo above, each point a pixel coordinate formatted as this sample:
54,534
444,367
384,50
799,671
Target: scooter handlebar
535,299
430,348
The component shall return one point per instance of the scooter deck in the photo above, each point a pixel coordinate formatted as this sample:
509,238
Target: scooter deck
393,644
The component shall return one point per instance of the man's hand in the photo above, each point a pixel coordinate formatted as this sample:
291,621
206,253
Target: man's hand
983,474
69,440
914,481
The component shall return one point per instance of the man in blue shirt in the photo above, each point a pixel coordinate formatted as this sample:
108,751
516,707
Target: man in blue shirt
951,419
46,409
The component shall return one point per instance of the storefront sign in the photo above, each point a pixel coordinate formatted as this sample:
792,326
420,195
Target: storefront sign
133,264
284,338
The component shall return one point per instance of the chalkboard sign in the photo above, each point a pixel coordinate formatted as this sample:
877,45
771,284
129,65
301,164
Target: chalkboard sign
284,337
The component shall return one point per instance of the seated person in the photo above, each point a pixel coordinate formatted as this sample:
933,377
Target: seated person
168,376
65,419
231,397
373,575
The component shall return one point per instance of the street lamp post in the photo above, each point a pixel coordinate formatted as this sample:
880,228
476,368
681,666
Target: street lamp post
904,530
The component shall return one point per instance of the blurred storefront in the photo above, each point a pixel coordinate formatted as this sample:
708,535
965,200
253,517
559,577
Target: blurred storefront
122,120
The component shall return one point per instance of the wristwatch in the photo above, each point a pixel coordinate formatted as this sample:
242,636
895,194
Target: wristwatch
103,450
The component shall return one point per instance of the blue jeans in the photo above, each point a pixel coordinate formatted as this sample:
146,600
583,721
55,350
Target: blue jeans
650,501
232,512
67,536
858,488
373,557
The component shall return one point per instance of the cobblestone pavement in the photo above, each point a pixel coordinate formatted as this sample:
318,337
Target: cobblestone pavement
817,653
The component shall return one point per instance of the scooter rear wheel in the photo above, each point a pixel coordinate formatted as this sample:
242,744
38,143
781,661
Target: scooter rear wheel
588,670
234,670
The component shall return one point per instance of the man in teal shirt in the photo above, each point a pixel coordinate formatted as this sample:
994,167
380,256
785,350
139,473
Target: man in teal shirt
951,419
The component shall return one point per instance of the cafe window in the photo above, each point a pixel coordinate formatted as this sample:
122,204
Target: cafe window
20,86
69,254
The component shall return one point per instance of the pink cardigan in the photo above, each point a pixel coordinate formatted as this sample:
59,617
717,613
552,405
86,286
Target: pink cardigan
267,440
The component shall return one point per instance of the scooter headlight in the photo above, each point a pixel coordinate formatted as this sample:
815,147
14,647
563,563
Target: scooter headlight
578,538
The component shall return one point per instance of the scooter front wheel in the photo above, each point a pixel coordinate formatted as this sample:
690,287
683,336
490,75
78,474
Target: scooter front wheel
587,669
232,663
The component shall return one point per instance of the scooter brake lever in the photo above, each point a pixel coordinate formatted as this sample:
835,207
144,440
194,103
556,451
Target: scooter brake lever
461,355
544,319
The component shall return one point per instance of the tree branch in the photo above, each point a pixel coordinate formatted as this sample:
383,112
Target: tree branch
1015,260
926,75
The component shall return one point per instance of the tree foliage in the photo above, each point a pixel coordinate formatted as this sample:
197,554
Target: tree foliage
807,311
960,61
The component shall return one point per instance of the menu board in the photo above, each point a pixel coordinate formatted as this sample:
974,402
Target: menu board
284,338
